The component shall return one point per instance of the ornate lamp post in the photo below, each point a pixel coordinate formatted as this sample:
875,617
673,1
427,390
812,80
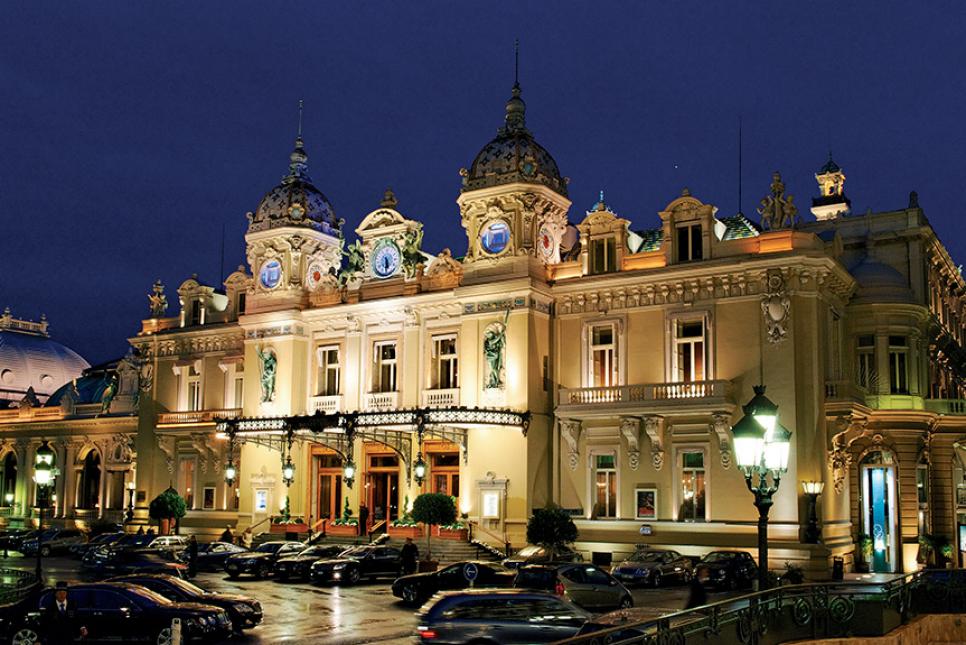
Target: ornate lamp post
761,450
349,471
288,471
43,477
419,469
129,517
812,491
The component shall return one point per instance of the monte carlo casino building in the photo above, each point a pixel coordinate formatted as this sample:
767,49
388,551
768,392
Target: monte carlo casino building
571,357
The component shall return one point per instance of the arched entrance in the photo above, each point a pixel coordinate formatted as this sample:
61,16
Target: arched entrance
8,480
89,482
878,504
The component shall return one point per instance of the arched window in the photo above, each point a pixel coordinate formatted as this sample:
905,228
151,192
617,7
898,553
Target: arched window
89,484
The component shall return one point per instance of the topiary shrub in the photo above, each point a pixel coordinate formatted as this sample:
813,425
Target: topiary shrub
552,528
167,507
433,509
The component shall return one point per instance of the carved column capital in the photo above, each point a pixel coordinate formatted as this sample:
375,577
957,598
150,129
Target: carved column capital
570,431
720,425
654,427
631,430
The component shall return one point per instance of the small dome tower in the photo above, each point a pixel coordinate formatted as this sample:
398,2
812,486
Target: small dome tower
832,201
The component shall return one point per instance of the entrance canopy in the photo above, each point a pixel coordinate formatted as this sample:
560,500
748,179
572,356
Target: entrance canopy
393,428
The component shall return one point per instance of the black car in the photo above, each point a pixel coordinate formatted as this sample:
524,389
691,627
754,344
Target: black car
133,561
368,561
654,567
538,555
726,569
212,555
244,612
417,587
261,561
13,539
114,611
104,539
298,565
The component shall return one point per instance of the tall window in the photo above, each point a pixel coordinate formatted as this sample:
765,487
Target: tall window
603,356
329,371
605,484
446,473
922,490
445,363
384,357
603,255
689,243
239,391
898,365
195,312
186,480
692,487
689,351
241,304
194,388
865,373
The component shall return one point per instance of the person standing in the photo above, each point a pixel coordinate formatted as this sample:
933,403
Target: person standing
410,554
363,519
60,621
247,538
697,596
192,556
227,535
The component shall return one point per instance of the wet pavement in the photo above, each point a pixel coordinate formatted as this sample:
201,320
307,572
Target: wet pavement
304,613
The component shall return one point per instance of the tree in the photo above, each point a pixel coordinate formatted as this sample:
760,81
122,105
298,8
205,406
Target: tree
433,509
552,528
166,507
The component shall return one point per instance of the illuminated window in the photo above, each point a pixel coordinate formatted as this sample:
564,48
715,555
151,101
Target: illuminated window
865,374
329,371
384,358
445,362
194,389
692,508
602,358
605,487
689,243
689,351
898,365
922,491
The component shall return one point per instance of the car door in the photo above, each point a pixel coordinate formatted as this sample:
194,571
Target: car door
448,579
111,617
606,591
385,561
576,585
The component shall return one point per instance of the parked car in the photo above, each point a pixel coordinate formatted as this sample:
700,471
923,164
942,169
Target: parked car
417,587
654,567
13,539
367,561
78,550
261,561
299,565
212,555
169,544
114,611
53,542
585,585
538,554
727,569
244,612
133,561
506,616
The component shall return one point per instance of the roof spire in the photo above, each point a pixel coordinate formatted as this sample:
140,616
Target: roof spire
299,160
300,118
515,107
516,62
739,165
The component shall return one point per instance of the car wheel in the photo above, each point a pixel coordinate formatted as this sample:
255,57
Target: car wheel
25,636
262,571
45,551
232,575
627,602
282,576
410,594
164,637
656,580
352,576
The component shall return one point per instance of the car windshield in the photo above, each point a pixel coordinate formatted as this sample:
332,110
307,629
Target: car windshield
648,556
528,551
187,587
718,556
150,596
270,547
320,550
358,552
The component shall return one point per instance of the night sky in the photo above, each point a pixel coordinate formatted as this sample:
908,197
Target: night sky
133,133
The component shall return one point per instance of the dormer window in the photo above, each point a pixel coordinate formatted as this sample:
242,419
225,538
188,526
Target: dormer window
195,313
603,255
688,242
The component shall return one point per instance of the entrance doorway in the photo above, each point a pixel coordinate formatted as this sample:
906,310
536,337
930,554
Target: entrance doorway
329,473
382,484
445,473
880,509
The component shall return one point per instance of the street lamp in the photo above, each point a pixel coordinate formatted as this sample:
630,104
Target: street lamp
349,472
9,499
43,477
130,503
761,449
288,471
812,490
230,473
419,469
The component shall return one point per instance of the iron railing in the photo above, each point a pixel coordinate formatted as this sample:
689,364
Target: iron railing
797,612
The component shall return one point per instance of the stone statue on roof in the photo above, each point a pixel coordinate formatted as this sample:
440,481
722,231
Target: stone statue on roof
158,302
777,210
412,257
268,364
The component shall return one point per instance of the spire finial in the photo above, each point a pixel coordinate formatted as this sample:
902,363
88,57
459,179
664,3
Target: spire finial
300,118
516,62
739,165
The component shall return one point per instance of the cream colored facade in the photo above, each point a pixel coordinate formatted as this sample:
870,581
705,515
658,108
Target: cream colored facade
630,351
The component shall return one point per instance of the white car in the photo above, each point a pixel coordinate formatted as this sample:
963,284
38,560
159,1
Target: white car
169,544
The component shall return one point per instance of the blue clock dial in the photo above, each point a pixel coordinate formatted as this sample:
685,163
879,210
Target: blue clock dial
271,274
495,237
385,259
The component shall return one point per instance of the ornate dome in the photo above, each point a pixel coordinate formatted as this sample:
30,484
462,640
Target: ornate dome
89,388
295,201
880,283
29,358
514,155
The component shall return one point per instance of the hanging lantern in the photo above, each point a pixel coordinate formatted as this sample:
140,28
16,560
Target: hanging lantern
349,472
288,472
419,469
230,473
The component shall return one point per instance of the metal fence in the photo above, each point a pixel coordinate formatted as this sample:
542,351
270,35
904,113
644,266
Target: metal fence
16,586
798,612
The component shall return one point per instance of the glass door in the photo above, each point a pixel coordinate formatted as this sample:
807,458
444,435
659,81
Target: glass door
879,515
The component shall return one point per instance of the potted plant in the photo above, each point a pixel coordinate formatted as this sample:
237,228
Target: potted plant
552,528
345,525
287,523
167,508
454,531
864,543
433,509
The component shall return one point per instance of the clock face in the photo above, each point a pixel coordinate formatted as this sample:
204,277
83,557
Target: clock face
385,259
495,237
314,275
271,274
545,243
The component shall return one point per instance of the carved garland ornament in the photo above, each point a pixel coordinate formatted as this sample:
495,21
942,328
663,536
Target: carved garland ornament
570,431
654,428
776,307
631,430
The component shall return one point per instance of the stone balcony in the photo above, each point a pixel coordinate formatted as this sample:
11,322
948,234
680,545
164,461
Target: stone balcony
196,417
946,406
441,398
327,404
375,401
647,398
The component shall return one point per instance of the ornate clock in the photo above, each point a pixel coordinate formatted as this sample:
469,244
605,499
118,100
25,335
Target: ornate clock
545,244
314,275
495,237
386,258
270,274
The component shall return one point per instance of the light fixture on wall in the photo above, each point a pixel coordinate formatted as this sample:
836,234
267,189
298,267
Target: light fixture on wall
812,490
9,499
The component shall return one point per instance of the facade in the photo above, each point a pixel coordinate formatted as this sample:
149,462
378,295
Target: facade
568,358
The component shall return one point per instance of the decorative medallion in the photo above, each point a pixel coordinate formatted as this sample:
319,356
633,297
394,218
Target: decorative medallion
386,258
776,307
495,237
270,274
314,275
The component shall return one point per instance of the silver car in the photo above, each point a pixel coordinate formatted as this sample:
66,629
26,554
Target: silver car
504,617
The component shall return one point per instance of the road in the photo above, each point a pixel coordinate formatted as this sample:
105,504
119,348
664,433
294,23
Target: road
304,613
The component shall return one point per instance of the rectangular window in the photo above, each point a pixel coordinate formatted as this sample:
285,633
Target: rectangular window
603,356
384,357
603,255
922,490
239,391
865,374
241,304
186,480
689,243
208,499
195,312
689,351
605,484
445,363
194,389
692,487
329,371
898,365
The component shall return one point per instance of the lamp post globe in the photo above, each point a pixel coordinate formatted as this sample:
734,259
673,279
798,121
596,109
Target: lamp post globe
230,473
288,472
349,472
419,469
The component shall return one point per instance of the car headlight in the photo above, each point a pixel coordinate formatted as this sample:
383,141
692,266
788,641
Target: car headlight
722,573
339,567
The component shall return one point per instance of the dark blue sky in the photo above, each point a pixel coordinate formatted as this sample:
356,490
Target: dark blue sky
131,133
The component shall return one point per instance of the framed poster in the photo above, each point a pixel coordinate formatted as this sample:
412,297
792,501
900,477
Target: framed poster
645,503
491,505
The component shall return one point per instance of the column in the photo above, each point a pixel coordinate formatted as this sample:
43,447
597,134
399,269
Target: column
102,483
69,475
